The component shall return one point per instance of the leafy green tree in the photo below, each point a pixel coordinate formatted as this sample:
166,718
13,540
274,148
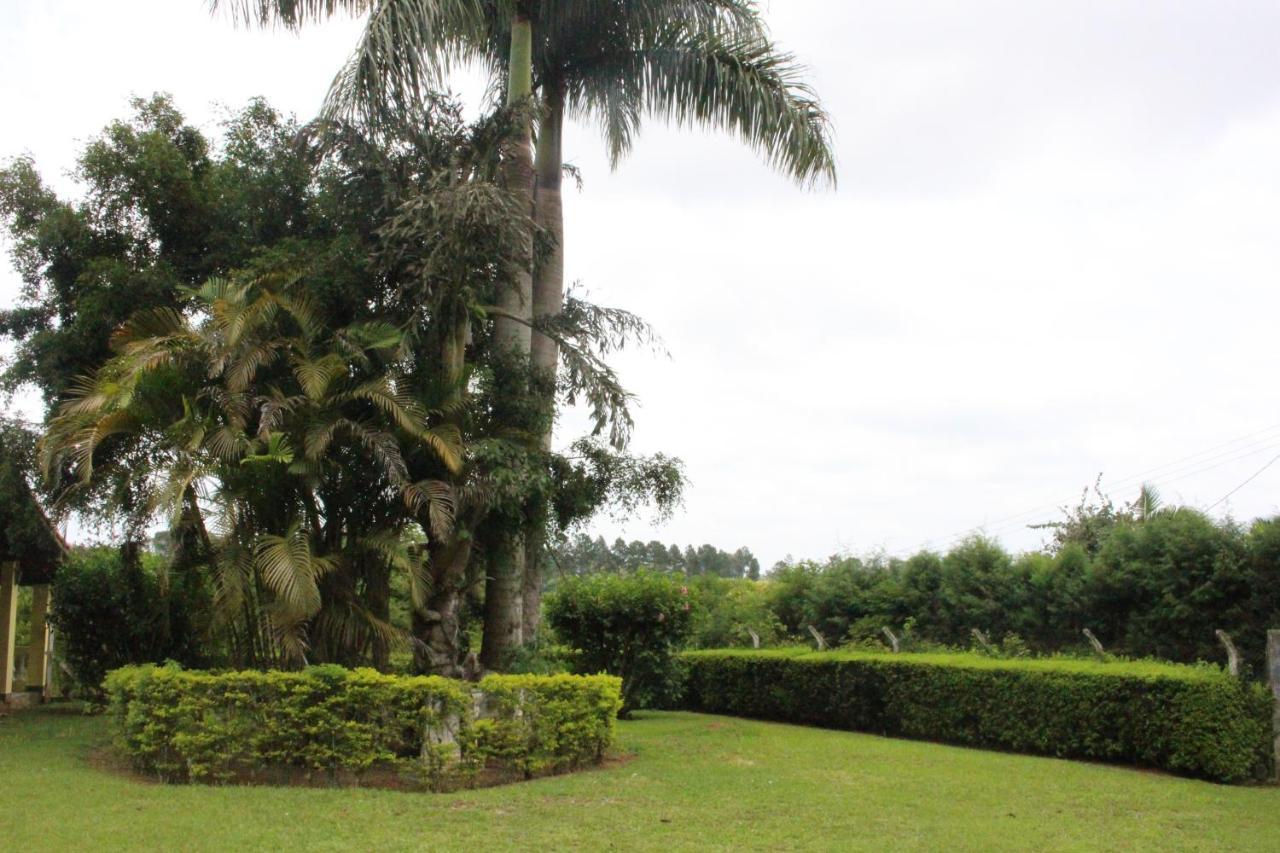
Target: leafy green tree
727,611
627,625
160,211
790,587
113,607
1164,585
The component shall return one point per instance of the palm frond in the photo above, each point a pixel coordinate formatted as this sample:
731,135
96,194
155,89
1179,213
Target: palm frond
403,53
735,81
315,376
437,500
290,14
291,570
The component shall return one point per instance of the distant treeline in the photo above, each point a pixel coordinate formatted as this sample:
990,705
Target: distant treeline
583,555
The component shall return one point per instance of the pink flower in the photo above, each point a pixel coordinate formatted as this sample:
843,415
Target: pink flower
684,590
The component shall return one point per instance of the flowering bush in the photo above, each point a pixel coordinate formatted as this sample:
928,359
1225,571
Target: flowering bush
627,625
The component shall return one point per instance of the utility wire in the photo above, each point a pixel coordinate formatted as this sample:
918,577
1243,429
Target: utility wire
1173,471
1253,477
1174,476
1179,474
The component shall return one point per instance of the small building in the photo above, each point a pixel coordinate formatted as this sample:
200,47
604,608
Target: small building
30,551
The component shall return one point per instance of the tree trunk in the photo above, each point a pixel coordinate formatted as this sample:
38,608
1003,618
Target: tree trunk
512,335
438,627
503,602
531,588
548,279
548,301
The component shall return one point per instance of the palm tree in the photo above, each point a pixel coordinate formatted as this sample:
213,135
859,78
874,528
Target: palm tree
404,48
254,401
704,62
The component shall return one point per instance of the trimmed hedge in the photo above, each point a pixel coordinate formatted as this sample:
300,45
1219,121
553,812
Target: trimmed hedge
1196,721
182,725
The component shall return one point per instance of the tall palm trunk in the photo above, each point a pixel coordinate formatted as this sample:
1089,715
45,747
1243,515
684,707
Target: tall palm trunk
437,627
548,301
512,334
503,609
548,279
503,617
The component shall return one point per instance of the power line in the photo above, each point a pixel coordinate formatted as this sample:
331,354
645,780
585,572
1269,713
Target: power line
1177,474
1263,431
1173,476
1253,477
1173,471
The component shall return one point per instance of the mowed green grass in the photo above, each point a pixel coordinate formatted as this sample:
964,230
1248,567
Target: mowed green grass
693,782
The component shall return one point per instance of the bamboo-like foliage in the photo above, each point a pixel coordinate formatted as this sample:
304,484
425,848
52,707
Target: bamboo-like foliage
258,415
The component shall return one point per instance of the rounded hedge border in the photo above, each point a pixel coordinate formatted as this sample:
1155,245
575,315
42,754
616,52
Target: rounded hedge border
185,725
1192,720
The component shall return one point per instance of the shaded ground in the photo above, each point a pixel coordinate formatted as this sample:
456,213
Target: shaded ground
697,782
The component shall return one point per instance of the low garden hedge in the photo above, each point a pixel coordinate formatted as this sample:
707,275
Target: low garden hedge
182,725
1192,720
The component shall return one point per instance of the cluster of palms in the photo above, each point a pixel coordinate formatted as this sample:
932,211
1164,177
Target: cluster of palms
284,400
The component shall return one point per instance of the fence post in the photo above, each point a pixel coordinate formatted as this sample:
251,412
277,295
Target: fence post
1095,642
1273,680
1233,656
983,640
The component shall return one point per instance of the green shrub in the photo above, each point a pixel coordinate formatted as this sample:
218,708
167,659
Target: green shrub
542,658
1191,720
556,720
628,625
188,725
726,611
110,611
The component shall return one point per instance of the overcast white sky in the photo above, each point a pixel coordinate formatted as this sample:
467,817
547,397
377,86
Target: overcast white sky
1053,253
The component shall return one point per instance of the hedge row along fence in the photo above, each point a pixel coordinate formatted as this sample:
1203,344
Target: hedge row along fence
333,722
1192,720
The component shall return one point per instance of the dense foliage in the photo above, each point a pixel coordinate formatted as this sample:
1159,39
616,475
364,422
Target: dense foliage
1192,720
727,612
280,345
1146,587
199,726
112,608
631,626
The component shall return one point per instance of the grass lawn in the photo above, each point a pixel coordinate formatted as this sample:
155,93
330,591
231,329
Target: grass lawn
695,782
